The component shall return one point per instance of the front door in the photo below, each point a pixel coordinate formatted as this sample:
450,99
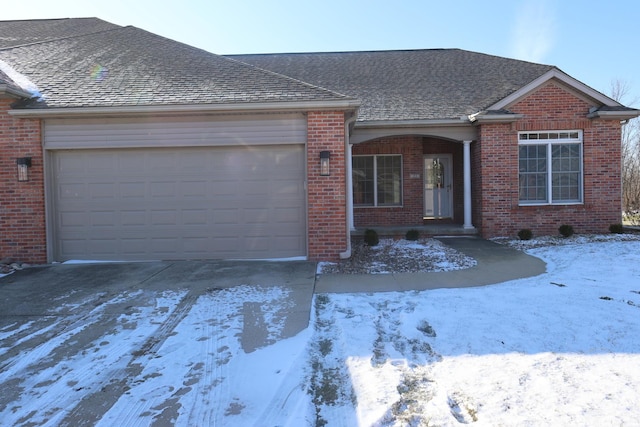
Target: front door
437,186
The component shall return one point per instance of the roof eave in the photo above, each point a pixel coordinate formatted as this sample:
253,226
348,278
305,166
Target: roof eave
245,107
614,115
366,124
14,92
483,117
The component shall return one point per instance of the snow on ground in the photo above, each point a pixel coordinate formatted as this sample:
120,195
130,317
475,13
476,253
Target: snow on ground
558,349
561,348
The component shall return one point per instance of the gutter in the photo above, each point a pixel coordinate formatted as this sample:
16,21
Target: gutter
346,104
14,92
623,116
372,124
349,183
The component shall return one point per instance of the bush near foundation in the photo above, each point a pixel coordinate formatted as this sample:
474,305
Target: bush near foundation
371,237
566,230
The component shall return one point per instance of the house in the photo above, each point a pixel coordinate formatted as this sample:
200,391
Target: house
120,144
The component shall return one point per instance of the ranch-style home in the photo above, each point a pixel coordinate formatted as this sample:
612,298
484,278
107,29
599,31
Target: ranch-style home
120,144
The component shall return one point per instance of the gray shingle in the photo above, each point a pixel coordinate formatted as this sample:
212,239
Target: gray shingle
18,33
126,66
409,84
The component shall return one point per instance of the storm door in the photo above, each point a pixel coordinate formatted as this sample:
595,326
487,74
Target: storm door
437,186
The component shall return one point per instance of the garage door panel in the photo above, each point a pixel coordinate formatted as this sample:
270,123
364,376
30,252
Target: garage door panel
180,203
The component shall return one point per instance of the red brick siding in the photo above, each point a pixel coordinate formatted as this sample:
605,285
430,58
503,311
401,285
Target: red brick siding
412,149
496,207
327,202
22,212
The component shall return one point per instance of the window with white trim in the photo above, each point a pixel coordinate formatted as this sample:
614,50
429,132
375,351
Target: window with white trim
377,180
550,167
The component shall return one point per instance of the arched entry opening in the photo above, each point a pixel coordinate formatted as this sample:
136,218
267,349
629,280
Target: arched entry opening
409,181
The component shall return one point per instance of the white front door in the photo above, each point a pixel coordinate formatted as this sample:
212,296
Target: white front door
437,186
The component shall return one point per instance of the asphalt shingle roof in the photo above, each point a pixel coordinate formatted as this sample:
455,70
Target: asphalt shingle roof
410,84
17,33
127,66
88,62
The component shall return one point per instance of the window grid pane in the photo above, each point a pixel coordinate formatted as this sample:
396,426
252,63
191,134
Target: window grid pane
533,173
389,180
377,180
363,184
565,178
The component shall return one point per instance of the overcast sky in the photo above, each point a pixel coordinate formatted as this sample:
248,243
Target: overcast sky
595,42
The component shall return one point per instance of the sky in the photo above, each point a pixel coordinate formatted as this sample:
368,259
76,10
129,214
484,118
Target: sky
595,42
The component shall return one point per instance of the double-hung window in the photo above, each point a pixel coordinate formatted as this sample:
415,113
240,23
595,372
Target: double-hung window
550,167
377,180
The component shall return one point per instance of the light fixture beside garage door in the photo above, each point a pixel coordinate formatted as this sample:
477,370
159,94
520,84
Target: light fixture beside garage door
24,163
324,163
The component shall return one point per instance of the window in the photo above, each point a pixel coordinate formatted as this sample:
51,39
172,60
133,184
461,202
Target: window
377,180
550,167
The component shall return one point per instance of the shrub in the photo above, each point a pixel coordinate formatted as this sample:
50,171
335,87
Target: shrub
566,230
525,234
371,237
412,235
616,228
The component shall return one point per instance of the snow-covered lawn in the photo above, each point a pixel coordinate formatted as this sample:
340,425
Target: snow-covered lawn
562,348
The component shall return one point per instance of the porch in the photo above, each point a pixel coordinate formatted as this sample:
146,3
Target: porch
404,182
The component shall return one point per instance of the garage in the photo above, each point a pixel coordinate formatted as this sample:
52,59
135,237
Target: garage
152,201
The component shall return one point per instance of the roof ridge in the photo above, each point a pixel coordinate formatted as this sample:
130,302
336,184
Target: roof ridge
388,51
49,19
284,76
55,39
342,52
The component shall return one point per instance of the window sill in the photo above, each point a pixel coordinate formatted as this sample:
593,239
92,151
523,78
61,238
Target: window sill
376,207
521,205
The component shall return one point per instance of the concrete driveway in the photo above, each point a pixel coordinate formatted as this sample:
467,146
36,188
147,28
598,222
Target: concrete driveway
110,320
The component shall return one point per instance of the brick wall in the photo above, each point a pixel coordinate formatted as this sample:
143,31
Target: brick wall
496,208
327,202
412,148
22,212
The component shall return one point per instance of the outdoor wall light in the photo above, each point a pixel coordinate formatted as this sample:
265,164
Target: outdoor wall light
24,163
324,163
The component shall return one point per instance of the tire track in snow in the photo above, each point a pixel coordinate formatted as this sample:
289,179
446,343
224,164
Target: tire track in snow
31,367
93,406
329,384
184,381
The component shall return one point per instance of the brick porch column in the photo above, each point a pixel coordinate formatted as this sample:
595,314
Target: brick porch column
326,195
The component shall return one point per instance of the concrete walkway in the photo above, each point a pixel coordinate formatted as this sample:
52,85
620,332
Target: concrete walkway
495,264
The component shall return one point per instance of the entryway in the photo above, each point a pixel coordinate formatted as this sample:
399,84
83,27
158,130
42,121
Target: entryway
438,195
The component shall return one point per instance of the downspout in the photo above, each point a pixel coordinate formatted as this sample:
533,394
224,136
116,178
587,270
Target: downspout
349,183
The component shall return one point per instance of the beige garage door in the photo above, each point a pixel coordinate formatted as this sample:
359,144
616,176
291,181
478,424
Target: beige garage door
187,203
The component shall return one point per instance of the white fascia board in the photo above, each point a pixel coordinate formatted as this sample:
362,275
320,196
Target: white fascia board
614,115
14,92
249,107
564,78
366,124
494,118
